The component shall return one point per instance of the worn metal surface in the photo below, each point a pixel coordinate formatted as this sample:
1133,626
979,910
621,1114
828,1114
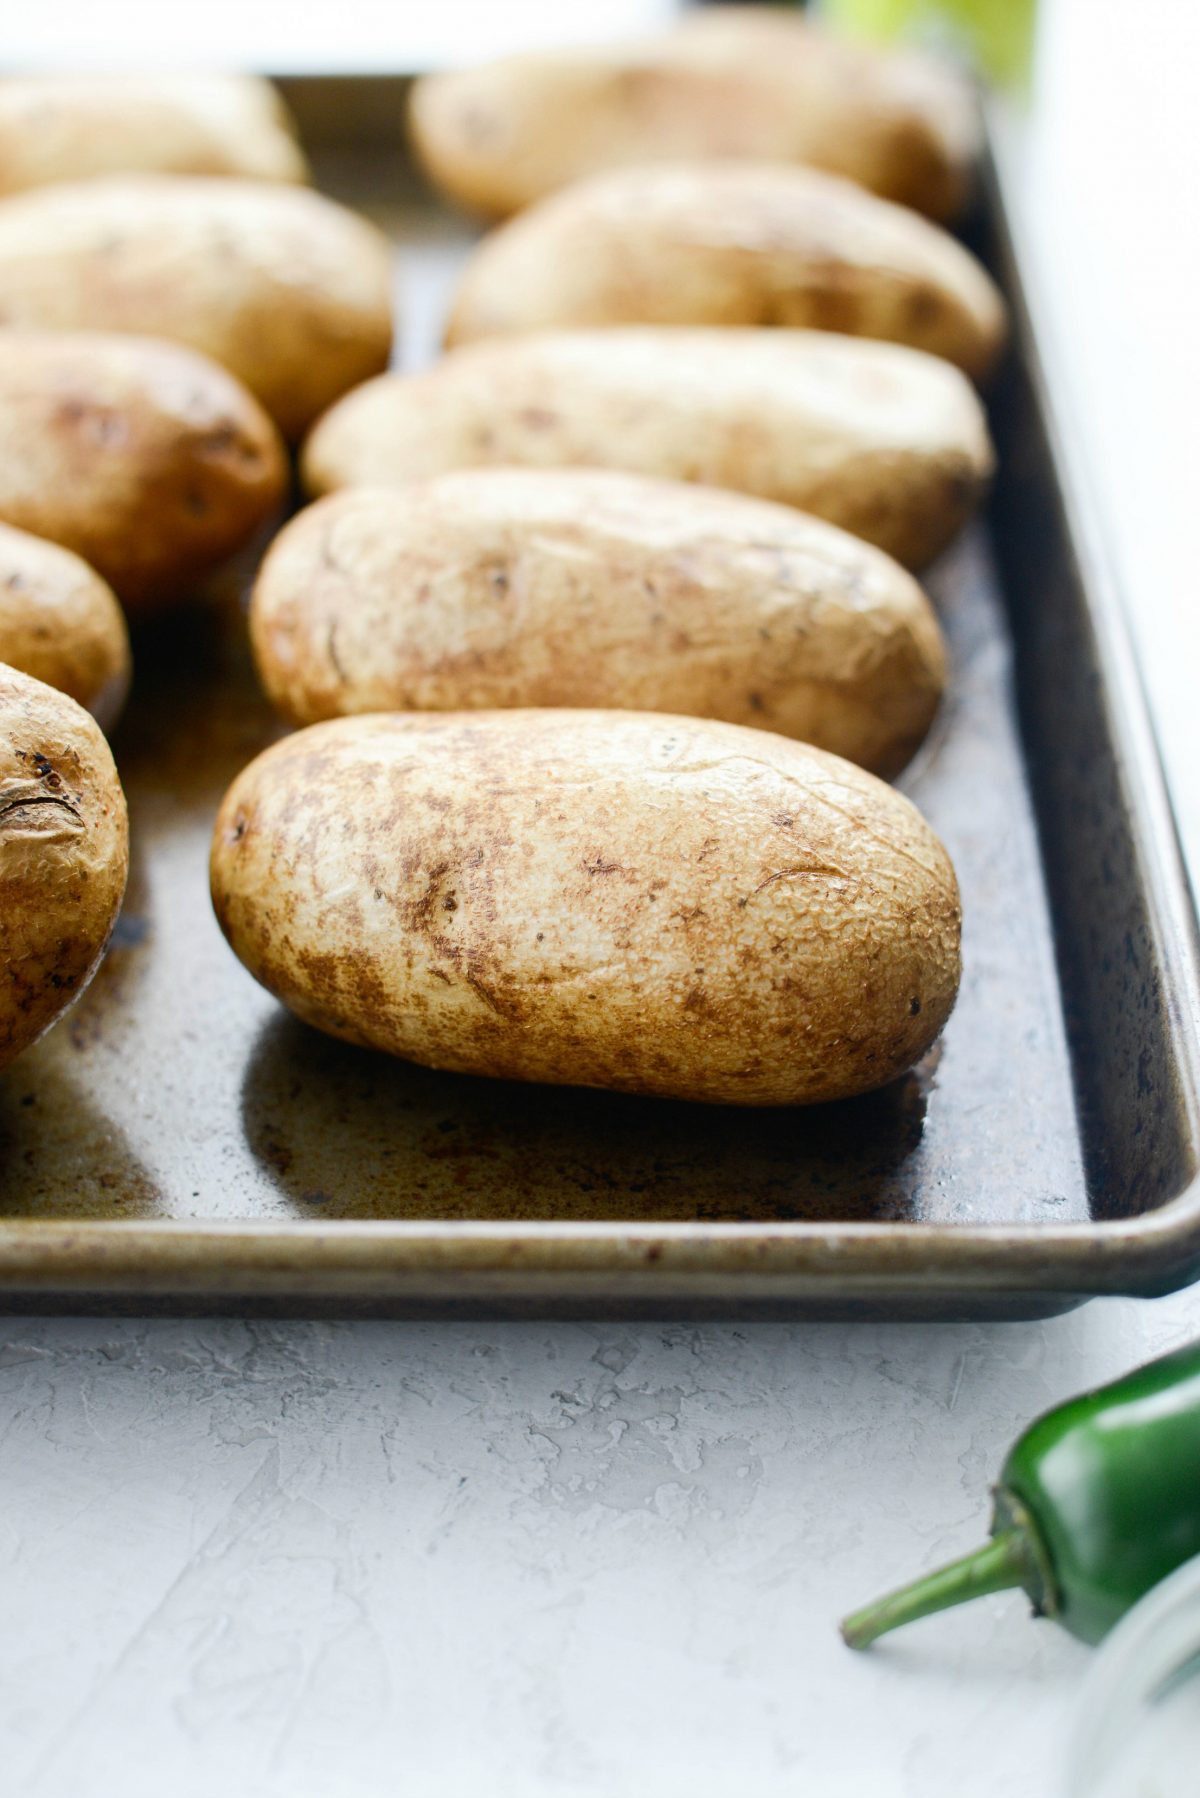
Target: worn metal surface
179,1140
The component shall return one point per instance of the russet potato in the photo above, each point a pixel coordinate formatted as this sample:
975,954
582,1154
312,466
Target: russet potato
286,289
62,624
584,587
731,244
653,904
146,459
757,82
64,855
887,442
72,127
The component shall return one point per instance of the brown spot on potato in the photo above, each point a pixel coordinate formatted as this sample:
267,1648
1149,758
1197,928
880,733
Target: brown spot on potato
490,998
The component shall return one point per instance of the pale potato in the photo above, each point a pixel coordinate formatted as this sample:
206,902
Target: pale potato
289,291
64,855
583,587
145,458
731,244
757,82
62,624
71,127
660,905
888,443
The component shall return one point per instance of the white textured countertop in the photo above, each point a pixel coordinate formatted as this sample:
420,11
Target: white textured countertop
527,1560
328,1560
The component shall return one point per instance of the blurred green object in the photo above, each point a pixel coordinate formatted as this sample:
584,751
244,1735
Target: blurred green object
995,35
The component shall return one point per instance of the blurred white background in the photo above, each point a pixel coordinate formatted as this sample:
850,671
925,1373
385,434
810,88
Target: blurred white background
277,35
1111,173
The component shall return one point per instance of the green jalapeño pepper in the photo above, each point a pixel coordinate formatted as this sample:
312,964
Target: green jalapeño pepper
1097,1502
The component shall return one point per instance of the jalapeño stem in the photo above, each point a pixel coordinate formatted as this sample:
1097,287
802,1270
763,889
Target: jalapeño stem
1000,1564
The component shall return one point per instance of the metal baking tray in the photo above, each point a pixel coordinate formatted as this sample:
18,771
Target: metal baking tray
179,1142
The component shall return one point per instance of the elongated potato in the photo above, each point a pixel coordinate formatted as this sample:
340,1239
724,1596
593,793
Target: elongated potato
144,458
581,587
64,855
74,127
731,82
287,290
655,904
889,444
62,624
731,244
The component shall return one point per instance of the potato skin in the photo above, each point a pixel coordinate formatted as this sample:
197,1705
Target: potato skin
731,244
289,291
582,587
888,443
146,459
73,127
64,855
727,82
62,624
659,905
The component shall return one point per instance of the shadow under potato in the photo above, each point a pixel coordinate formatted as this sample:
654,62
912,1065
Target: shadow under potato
88,1170
346,1132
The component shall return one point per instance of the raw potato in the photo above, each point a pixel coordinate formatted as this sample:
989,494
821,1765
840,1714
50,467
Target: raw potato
728,82
288,290
64,855
144,458
890,444
62,624
660,905
527,587
74,127
731,244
